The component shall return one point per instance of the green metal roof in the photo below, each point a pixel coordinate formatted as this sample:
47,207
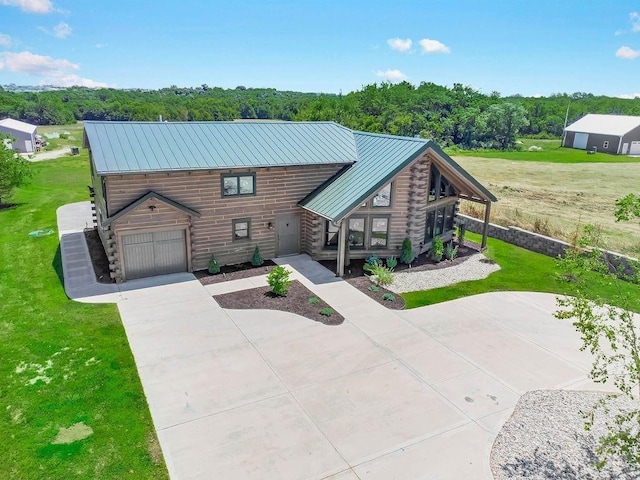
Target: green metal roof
145,147
380,158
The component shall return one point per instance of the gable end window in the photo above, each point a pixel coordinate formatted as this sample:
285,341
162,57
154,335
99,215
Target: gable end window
382,198
439,186
237,185
241,229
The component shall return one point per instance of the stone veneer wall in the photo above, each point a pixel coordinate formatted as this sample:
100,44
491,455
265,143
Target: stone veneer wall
535,242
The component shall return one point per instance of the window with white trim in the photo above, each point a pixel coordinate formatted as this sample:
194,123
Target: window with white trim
605,144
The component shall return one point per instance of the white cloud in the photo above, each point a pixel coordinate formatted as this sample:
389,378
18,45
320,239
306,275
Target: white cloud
433,46
627,53
62,30
5,40
30,6
634,18
400,45
391,75
55,71
629,95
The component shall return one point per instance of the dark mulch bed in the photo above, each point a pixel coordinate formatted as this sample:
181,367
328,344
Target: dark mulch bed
296,301
364,285
234,272
98,256
422,262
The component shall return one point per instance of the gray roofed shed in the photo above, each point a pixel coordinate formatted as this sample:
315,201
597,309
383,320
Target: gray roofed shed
145,147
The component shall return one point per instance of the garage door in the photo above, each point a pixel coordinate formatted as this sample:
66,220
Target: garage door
580,140
635,148
155,253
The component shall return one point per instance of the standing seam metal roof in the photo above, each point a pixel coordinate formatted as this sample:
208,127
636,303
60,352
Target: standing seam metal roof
145,147
605,124
17,125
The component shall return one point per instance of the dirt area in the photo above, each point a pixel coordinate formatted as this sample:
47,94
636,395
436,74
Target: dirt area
47,155
77,431
554,198
234,272
296,301
98,256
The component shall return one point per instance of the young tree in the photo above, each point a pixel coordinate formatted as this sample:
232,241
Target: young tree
14,171
610,333
503,121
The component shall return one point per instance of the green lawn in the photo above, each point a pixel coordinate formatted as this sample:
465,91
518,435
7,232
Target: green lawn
552,152
72,135
521,270
63,362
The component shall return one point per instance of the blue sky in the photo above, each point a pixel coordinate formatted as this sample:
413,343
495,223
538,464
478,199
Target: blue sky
527,47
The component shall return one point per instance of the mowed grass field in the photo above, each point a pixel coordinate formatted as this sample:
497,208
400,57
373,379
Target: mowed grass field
555,198
552,151
65,367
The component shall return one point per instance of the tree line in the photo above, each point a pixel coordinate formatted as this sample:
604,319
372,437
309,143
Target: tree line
457,115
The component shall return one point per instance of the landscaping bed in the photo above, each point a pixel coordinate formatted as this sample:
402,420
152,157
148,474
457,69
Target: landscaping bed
98,256
234,272
296,301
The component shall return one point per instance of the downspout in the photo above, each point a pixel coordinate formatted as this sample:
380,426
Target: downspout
485,227
342,240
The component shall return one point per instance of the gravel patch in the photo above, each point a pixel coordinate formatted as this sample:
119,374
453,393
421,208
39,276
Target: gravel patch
545,438
476,267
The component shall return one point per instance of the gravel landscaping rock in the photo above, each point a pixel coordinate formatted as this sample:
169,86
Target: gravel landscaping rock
545,439
476,267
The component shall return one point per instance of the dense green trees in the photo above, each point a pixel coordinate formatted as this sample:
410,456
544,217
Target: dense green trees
14,171
457,115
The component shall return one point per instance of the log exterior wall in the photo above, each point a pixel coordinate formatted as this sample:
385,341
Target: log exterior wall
277,191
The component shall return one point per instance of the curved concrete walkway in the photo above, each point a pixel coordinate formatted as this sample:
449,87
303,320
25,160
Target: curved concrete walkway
417,394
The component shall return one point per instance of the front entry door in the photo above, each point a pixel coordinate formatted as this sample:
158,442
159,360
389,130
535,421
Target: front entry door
288,234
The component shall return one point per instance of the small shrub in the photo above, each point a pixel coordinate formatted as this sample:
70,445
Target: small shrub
313,300
381,275
64,136
392,262
462,230
450,252
326,311
437,249
373,259
407,255
214,267
256,259
278,280
374,288
388,297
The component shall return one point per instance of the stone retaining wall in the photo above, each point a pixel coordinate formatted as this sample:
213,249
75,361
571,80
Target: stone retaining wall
535,242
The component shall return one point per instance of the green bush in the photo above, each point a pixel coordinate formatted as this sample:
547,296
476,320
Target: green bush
326,311
407,255
278,280
462,230
373,259
388,297
64,136
256,259
374,288
392,262
313,300
437,249
214,267
381,275
450,252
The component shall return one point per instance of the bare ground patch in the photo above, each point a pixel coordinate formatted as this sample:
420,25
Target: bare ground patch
77,431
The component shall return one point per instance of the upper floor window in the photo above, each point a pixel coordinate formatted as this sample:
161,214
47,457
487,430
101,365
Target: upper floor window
439,186
233,185
383,197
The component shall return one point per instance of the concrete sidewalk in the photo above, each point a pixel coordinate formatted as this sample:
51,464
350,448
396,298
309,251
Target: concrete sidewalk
259,394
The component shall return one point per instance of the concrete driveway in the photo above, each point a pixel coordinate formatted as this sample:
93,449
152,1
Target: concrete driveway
418,394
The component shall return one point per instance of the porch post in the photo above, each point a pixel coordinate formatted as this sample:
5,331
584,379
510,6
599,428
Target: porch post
342,238
485,227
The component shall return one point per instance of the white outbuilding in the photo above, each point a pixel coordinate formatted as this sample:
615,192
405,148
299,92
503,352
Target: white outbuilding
23,135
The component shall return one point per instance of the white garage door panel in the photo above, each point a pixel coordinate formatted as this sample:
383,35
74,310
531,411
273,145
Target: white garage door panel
156,253
635,148
580,140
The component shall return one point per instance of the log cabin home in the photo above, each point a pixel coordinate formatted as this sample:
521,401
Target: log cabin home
168,196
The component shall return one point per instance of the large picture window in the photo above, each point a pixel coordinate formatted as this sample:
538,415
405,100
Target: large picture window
439,221
379,232
234,185
356,232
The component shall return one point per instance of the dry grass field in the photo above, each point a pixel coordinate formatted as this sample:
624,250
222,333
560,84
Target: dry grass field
555,198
